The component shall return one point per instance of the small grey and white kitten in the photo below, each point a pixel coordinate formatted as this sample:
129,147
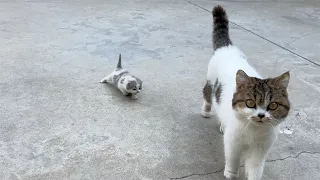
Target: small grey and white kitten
125,82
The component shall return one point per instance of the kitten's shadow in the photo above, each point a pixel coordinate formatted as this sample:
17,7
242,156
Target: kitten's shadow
113,91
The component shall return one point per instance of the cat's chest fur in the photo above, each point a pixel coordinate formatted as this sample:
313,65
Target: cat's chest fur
251,136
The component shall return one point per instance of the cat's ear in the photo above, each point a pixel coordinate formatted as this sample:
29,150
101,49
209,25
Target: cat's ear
242,78
130,85
283,80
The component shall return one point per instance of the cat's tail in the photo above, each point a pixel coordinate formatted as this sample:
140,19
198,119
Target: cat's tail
119,66
220,34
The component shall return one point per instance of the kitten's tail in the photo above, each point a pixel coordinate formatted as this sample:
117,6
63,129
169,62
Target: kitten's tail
220,34
119,66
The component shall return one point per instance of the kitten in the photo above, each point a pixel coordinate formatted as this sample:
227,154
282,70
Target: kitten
249,107
125,82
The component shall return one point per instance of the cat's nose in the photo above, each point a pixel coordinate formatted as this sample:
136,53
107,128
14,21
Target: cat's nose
261,115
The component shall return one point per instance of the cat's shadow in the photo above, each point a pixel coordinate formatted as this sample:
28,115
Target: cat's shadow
201,143
206,139
211,132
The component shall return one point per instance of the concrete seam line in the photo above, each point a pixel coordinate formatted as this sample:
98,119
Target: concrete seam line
248,30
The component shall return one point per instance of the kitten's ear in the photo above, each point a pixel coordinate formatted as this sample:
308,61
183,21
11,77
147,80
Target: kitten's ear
129,85
242,78
283,80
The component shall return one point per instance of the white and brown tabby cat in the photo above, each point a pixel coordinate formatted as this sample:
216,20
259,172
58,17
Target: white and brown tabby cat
249,107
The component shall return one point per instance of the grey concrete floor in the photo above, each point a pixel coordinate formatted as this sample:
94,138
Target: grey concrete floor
57,122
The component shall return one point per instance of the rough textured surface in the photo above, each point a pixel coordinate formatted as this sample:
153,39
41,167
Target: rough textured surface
57,122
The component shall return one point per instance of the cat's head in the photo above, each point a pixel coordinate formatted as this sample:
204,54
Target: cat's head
134,86
261,101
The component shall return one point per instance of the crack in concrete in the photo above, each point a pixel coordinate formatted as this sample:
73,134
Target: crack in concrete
271,160
197,174
292,157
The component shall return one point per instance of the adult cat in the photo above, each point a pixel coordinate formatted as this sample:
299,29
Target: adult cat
249,107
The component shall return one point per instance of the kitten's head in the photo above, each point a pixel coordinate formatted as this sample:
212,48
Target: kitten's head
134,86
261,101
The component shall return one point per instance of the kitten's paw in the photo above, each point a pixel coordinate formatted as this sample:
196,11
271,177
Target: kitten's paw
206,114
230,175
134,97
125,93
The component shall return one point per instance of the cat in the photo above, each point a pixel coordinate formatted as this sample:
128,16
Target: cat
125,82
249,107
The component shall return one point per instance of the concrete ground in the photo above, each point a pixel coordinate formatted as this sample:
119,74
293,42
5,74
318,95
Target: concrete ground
58,123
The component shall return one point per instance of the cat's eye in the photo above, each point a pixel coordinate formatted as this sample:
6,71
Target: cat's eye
250,104
134,89
273,106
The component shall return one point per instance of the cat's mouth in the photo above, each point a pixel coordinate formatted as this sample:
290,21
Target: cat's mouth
257,120
258,123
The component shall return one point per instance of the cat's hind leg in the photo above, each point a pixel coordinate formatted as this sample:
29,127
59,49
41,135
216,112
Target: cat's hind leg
207,96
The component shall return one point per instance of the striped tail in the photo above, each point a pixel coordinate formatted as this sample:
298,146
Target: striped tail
119,66
220,34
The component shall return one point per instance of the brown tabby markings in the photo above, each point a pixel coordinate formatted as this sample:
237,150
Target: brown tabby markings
208,91
263,92
218,90
207,95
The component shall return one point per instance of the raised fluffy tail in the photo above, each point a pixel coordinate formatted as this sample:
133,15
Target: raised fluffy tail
220,34
119,66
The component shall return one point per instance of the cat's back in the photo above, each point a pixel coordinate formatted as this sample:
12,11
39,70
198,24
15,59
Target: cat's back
225,63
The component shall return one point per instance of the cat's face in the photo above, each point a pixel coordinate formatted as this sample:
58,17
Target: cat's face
261,101
134,86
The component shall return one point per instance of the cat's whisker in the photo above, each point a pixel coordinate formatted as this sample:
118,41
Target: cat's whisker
272,126
245,128
273,123
276,121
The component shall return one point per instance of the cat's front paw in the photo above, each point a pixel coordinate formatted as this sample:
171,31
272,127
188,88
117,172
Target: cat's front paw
125,93
206,114
230,175
134,96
